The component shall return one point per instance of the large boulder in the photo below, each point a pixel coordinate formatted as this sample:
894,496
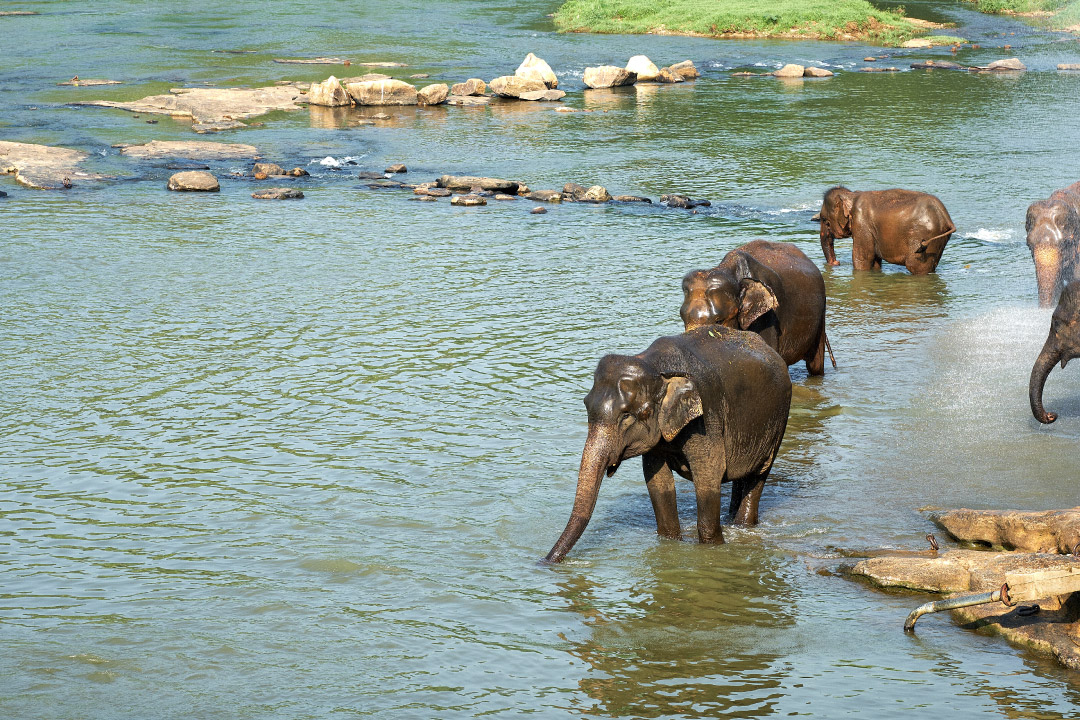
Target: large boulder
328,93
193,181
596,194
643,67
533,66
383,92
817,72
607,76
433,94
512,86
1008,65
667,75
687,69
472,86
791,70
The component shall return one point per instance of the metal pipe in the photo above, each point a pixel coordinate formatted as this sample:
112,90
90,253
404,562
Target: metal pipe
953,603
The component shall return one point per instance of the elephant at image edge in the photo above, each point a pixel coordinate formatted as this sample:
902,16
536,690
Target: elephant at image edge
769,288
903,227
710,404
1053,236
1062,345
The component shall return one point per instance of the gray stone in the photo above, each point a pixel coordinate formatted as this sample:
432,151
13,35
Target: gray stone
425,198
534,67
278,194
468,182
468,200
382,92
433,191
370,175
607,76
1008,65
193,181
472,86
435,94
631,199
512,86
572,192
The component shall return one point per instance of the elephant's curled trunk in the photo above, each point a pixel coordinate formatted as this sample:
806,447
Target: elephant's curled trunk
595,459
1043,364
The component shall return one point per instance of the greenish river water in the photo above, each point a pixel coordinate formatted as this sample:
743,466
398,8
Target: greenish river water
300,460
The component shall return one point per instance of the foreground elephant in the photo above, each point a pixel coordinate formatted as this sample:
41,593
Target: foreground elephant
1053,236
1062,345
711,404
769,288
903,227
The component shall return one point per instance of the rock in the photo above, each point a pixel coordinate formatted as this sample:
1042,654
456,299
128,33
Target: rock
419,76
631,199
523,189
545,196
745,73
683,201
1035,532
312,61
424,198
870,59
479,191
433,191
879,69
572,192
643,67
370,175
383,64
607,76
667,75
468,200
468,100
512,86
268,169
565,110
789,71
1068,66
1009,65
472,86
435,94
3,194
89,82
917,43
397,169
504,196
687,69
366,77
816,72
43,167
193,181
278,194
533,66
385,185
328,93
467,182
193,149
186,166
298,172
382,92
938,65
213,109
380,116
261,176
538,210
596,194
550,95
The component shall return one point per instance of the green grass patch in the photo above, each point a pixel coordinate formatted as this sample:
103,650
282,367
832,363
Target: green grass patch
1051,14
822,19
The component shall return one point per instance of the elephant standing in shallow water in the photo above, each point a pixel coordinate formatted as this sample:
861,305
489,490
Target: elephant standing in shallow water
1053,236
710,404
903,227
769,288
1062,345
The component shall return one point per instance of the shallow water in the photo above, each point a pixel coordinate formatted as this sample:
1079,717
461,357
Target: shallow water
300,460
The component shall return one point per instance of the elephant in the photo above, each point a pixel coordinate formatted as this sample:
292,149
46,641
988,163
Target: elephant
769,288
903,227
1053,236
711,404
1062,345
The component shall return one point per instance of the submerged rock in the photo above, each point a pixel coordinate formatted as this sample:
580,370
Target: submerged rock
545,196
329,93
643,67
278,194
538,210
89,82
312,61
193,181
43,167
468,100
549,95
433,191
472,86
631,199
468,182
267,169
468,200
383,92
683,201
1007,65
607,76
534,67
790,70
816,72
213,109
512,86
434,94
938,65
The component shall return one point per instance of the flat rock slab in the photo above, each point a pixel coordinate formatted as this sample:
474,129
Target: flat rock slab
278,194
313,61
89,82
43,167
213,109
468,100
468,200
939,65
191,149
468,182
1034,532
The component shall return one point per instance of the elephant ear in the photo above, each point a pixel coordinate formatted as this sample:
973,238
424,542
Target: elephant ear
680,404
847,200
755,299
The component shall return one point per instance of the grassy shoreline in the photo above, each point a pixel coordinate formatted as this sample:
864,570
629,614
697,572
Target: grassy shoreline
802,19
1051,14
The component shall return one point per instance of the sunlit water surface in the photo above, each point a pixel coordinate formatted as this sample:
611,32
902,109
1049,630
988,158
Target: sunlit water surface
300,460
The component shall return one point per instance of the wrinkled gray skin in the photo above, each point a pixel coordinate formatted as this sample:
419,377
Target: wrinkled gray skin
902,227
710,404
769,288
1053,236
1062,345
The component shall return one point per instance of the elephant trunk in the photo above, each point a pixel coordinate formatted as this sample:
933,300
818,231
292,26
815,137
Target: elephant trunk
827,237
597,456
1043,364
1047,273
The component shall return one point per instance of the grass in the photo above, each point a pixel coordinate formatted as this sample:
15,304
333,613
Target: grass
1053,14
821,19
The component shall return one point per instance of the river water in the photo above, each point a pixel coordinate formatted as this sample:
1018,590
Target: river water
300,460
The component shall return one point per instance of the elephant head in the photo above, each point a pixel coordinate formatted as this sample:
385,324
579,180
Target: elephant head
731,294
1053,231
835,216
1062,345
631,407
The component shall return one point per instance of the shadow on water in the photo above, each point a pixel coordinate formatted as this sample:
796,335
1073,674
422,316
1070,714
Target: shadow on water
696,634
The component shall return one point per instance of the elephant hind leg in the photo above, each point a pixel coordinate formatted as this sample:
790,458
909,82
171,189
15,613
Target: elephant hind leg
745,496
815,359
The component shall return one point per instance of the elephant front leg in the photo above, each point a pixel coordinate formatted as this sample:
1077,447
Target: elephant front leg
708,471
661,484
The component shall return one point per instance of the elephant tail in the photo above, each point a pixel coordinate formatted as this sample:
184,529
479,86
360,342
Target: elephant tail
923,244
829,348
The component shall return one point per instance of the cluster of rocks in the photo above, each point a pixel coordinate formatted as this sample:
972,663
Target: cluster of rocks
199,180
791,70
638,69
998,66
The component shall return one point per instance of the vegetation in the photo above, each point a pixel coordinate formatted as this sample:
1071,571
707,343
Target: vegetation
1054,14
822,19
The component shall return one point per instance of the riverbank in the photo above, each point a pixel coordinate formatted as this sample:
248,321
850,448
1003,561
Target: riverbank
851,20
1061,15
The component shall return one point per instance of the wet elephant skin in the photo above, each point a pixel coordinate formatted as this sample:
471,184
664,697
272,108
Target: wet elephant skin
1053,236
1062,345
710,404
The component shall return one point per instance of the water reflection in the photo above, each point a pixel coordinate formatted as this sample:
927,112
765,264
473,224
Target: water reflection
695,636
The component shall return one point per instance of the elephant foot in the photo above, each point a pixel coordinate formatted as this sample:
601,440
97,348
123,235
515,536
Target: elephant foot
834,262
